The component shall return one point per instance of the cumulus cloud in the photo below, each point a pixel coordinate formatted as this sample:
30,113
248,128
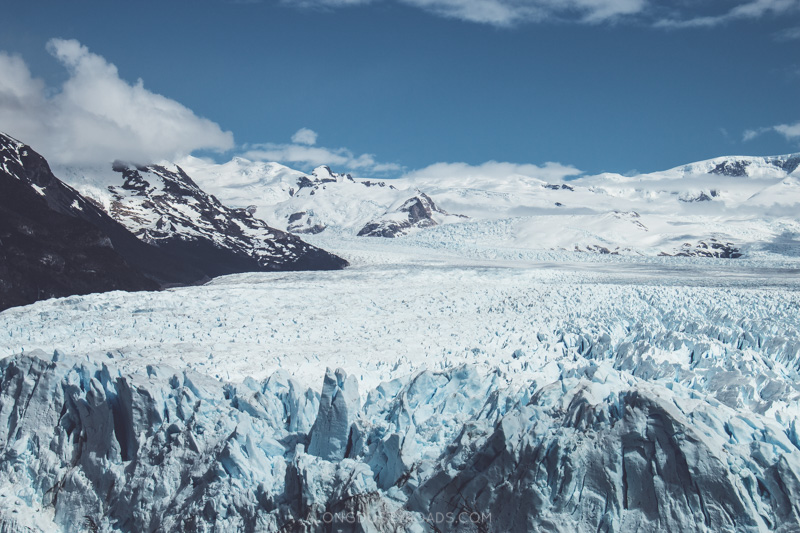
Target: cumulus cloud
20,97
302,152
504,13
492,174
305,136
790,131
97,117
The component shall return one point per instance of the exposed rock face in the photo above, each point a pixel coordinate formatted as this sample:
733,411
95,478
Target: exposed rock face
52,241
743,166
556,187
417,212
304,222
731,168
597,249
712,248
323,175
789,164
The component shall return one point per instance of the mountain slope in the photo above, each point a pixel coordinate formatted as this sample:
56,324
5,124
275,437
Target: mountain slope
417,212
298,202
163,206
45,250
22,162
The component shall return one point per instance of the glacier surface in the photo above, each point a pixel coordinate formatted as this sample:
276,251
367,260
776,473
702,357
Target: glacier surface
420,390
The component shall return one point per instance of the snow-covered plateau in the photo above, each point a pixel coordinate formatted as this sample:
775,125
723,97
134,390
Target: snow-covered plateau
435,385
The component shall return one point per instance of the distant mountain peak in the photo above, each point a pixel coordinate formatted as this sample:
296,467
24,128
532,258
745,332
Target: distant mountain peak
739,166
417,212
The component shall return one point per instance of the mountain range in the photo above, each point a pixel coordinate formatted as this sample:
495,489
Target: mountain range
191,220
57,242
725,207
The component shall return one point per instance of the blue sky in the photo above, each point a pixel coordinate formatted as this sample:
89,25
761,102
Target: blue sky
391,86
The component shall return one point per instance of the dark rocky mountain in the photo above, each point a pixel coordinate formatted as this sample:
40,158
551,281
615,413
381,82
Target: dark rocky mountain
741,166
417,212
46,249
56,242
734,169
712,248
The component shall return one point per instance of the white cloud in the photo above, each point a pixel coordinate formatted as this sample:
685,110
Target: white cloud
747,10
20,98
507,12
305,136
749,135
790,131
495,12
602,10
492,172
306,157
789,34
759,8
16,84
302,153
97,117
504,13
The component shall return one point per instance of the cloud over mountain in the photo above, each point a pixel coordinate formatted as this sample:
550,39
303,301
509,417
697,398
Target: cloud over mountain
303,152
96,116
497,171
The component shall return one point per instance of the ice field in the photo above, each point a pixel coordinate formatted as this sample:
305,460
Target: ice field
550,391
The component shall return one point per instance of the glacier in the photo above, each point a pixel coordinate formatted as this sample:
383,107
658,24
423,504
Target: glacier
419,390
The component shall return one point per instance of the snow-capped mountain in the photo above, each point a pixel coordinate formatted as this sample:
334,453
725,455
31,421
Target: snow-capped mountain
417,212
746,203
155,228
53,242
744,166
291,200
163,206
